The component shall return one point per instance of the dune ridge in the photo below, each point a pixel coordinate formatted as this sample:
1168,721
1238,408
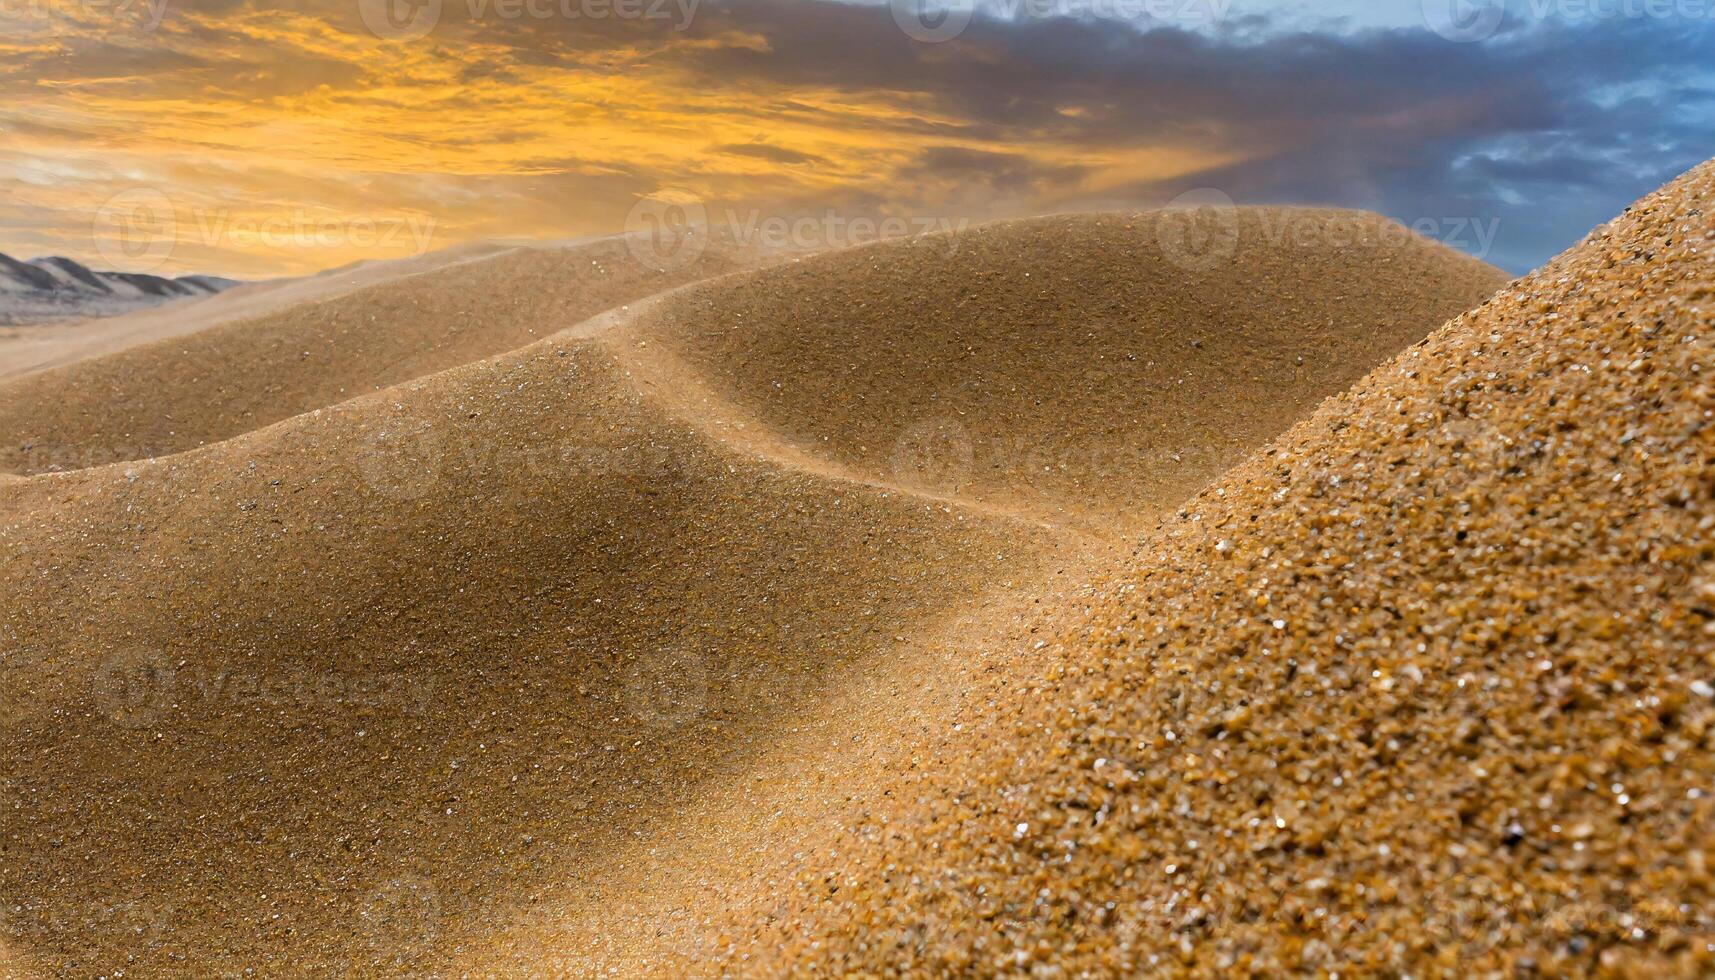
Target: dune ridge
379,687
178,393
1423,687
1057,364
25,349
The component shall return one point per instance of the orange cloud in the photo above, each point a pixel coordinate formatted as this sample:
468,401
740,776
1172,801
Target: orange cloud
283,142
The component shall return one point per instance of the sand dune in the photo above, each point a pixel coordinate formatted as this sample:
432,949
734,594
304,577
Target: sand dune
1067,365
424,680
179,393
1424,688
305,681
27,349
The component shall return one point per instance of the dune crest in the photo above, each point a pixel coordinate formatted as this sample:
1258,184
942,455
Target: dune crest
1076,366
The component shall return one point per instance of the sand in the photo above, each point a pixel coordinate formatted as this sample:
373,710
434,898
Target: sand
1067,365
431,649
24,349
228,378
538,660
1423,688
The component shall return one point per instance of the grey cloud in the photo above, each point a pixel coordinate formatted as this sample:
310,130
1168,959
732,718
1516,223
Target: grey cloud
1547,128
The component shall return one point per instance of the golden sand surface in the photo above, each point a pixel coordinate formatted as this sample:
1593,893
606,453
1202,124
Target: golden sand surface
1067,365
1423,688
37,347
187,391
539,661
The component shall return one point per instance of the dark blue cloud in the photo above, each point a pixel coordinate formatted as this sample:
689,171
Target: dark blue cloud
1548,127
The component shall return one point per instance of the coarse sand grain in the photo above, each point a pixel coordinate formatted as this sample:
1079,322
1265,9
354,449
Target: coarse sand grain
1424,688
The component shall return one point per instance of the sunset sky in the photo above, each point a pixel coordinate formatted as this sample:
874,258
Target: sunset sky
269,140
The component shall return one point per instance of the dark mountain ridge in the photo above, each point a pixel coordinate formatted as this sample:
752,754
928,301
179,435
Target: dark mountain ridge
57,288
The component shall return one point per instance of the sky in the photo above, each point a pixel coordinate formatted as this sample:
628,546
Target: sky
250,139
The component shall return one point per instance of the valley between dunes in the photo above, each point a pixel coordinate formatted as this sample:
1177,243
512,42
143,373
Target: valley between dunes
542,613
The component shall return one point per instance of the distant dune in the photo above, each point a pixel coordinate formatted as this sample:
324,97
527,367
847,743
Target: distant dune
500,666
281,359
29,349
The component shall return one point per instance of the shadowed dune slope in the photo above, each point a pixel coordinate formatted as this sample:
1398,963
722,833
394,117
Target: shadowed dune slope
280,703
352,692
1425,688
1071,365
184,392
